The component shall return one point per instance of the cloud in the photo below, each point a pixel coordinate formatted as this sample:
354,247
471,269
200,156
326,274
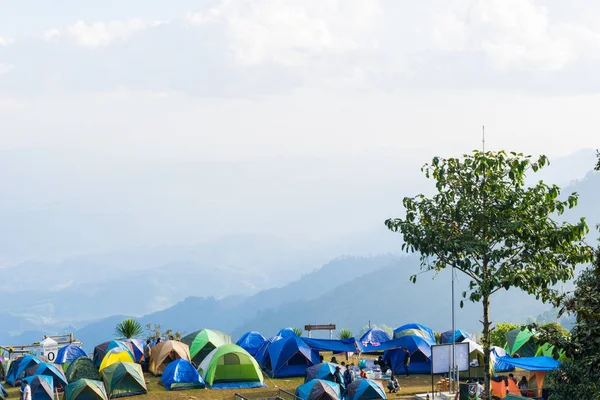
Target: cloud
5,68
4,41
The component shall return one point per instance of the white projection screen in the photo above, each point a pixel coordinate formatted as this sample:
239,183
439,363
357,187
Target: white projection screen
441,358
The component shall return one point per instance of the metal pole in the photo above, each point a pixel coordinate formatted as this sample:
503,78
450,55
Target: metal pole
453,333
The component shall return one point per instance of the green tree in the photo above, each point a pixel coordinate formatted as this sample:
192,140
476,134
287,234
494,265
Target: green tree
154,331
485,222
344,334
128,328
498,334
297,331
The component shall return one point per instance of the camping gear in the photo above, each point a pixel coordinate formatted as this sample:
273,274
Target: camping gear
118,354
4,367
261,355
318,389
323,371
58,377
41,387
286,332
3,393
251,342
69,354
459,336
374,337
82,368
203,342
103,348
86,389
18,367
230,366
365,389
124,379
289,357
518,342
181,375
415,330
420,356
137,348
165,352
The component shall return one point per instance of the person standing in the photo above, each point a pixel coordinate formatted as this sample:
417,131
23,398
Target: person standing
26,391
146,356
339,379
348,377
406,360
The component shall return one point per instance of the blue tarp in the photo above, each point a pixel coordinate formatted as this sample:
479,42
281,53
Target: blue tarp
237,385
374,337
459,336
336,346
286,332
390,344
499,364
69,354
364,389
181,371
541,363
316,389
251,342
420,355
289,357
427,332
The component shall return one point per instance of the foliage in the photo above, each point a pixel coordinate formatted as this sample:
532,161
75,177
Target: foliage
573,381
155,332
344,334
488,224
438,337
128,328
498,334
297,331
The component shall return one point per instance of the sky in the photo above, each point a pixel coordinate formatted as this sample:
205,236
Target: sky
227,80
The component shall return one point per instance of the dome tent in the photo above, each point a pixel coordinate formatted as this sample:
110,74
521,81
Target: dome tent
41,387
459,336
58,377
118,354
230,366
3,393
86,389
164,353
420,355
18,367
203,342
181,375
415,330
251,342
374,336
286,332
124,379
82,368
318,389
519,342
323,371
289,357
69,354
103,348
363,389
137,348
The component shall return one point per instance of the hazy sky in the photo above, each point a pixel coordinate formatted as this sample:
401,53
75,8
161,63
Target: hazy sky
226,79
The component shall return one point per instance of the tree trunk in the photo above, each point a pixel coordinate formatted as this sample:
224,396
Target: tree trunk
486,347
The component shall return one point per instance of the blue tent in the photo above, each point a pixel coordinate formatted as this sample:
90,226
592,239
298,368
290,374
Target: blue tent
541,363
363,389
286,332
336,346
138,348
41,387
181,375
2,390
420,355
58,377
374,337
323,371
69,354
415,329
289,357
318,389
251,342
459,336
261,353
18,367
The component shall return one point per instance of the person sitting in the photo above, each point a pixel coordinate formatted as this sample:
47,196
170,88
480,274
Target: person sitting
512,378
334,360
523,386
393,385
363,374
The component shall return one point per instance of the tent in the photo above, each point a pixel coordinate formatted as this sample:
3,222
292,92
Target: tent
58,377
230,366
3,391
420,355
101,350
459,336
518,342
18,367
318,389
288,357
41,387
69,354
181,375
323,371
137,348
124,379
86,389
118,354
365,389
286,332
4,367
251,342
415,330
165,352
261,354
203,342
82,368
374,337
538,366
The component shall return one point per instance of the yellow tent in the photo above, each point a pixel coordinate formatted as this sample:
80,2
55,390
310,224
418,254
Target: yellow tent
117,354
165,352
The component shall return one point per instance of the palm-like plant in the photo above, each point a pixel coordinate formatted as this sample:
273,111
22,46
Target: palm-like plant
297,331
344,334
128,328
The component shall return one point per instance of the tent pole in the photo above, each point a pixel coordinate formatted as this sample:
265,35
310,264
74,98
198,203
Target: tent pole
453,336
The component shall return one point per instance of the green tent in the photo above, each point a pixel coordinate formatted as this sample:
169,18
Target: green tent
201,343
124,379
546,349
82,368
85,389
4,367
230,366
514,396
518,342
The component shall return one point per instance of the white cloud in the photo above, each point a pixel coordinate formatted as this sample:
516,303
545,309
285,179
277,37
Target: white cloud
98,34
51,35
290,32
4,41
6,68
